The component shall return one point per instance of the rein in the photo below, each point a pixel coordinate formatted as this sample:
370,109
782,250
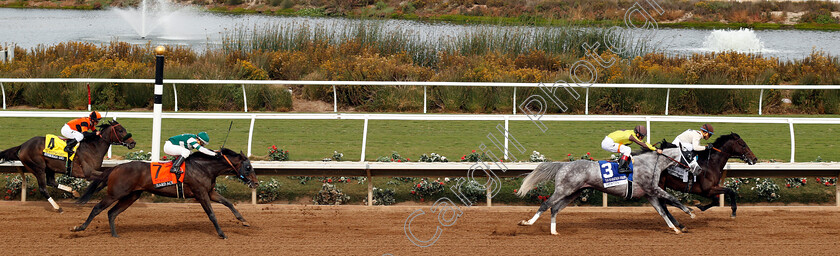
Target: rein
675,161
232,167
114,130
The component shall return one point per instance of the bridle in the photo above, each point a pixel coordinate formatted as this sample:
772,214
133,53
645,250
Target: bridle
238,172
743,156
120,141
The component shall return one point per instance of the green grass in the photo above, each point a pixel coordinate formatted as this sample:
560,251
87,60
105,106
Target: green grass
311,140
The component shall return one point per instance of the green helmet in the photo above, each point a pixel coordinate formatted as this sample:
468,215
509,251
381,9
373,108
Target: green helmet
204,137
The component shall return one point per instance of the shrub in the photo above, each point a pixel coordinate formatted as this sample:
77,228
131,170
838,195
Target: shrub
330,195
474,157
221,188
76,184
275,154
337,156
268,192
537,157
13,185
427,189
382,196
301,179
767,189
433,158
138,155
795,182
394,157
473,191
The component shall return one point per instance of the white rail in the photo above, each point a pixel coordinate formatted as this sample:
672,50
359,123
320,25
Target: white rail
424,84
440,117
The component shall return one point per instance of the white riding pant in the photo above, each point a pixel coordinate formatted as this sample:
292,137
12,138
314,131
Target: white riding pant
174,150
609,145
69,133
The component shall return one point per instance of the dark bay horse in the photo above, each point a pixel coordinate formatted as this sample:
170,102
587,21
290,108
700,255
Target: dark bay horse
86,163
126,182
712,161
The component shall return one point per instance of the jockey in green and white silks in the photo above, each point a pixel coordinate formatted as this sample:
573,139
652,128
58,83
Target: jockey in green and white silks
180,145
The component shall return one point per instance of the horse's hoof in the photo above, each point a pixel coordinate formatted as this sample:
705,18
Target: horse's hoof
555,233
75,194
244,223
76,229
223,237
677,231
692,215
115,236
524,223
684,229
60,210
732,217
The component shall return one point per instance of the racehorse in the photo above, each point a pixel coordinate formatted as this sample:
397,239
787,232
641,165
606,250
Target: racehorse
86,163
572,177
712,161
126,182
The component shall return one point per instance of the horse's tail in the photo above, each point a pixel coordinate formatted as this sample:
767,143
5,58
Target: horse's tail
543,172
9,154
96,185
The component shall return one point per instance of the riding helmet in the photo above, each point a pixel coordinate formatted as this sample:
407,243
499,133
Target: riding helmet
95,116
204,137
641,130
708,128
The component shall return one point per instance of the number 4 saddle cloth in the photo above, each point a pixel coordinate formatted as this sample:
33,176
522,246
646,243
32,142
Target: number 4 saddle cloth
54,148
162,177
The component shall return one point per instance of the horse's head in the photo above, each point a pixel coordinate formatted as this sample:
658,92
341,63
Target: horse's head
734,146
114,133
240,163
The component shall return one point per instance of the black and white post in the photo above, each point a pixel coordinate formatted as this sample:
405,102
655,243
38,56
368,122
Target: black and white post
159,51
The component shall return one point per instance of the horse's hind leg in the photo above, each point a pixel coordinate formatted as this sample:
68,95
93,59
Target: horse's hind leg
203,199
654,201
671,217
52,183
41,176
216,197
670,199
557,207
123,204
98,208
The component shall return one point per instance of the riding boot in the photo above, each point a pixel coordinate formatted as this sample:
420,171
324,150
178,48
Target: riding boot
176,165
624,165
69,148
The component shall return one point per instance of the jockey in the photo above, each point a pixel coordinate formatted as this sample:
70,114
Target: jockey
619,141
689,141
180,145
76,128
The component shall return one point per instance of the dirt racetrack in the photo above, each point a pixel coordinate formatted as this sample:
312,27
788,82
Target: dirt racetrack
147,228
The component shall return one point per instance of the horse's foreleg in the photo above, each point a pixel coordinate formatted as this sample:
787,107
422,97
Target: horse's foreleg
543,207
733,200
662,203
654,201
123,204
216,197
670,199
204,200
98,208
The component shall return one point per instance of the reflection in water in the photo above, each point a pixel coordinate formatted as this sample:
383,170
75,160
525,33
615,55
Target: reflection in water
190,27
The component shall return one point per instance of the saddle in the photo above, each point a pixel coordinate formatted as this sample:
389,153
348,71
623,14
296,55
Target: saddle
162,177
687,158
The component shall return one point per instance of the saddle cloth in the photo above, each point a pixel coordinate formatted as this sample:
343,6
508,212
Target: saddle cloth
162,177
610,175
54,148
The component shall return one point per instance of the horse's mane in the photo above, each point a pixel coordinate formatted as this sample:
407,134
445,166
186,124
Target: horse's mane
224,151
724,138
105,125
662,144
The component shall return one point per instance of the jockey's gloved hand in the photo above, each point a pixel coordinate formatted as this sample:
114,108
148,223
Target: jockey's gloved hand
710,146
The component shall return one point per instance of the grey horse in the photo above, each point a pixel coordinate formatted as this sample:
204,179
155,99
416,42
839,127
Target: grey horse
570,178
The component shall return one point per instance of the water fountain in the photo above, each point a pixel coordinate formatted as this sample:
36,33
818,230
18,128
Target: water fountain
150,15
741,40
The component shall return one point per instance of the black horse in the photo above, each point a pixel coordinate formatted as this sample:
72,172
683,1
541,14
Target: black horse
86,164
126,182
712,161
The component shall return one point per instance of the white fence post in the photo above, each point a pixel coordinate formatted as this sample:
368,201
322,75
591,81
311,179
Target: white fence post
364,139
424,100
514,100
4,95
110,146
792,141
587,101
667,100
647,124
335,100
244,98
507,136
760,99
175,93
251,133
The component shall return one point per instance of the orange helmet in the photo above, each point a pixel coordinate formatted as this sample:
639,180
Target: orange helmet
95,116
